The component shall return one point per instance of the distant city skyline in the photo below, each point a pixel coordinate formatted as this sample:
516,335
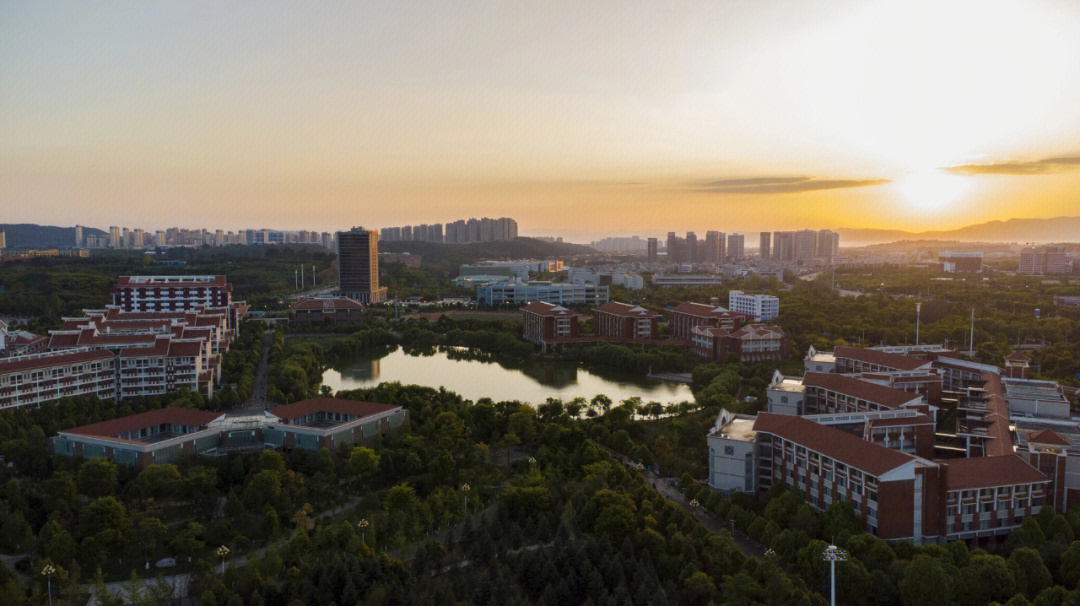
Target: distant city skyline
581,120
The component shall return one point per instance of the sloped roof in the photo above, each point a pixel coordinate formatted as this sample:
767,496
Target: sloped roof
544,308
51,360
625,310
871,392
328,304
1047,436
984,472
829,441
880,358
350,407
115,427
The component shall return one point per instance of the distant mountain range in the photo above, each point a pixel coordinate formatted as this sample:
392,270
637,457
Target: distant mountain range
31,235
1058,229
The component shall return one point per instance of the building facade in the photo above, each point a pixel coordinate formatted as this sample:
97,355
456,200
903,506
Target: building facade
337,310
762,308
358,266
521,293
622,321
543,323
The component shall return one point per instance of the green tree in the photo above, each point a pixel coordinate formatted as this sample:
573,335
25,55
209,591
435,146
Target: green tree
925,583
986,578
97,477
1030,572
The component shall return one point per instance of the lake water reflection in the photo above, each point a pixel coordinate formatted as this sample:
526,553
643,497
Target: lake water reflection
474,379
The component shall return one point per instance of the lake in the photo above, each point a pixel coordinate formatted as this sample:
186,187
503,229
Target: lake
474,379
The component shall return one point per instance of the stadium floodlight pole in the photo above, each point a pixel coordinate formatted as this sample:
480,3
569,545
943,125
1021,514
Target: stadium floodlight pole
362,525
918,314
832,555
221,553
48,571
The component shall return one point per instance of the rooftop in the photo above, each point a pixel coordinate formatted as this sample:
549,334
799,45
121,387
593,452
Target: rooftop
314,405
863,390
983,472
173,416
880,358
840,445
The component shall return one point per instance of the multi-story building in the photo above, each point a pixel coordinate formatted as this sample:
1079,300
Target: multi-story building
760,307
864,360
686,280
686,315
1044,260
140,440
543,323
736,248
358,266
751,343
828,245
1071,302
19,342
652,250
32,380
623,321
171,293
502,293
953,262
900,496
764,246
805,245
329,423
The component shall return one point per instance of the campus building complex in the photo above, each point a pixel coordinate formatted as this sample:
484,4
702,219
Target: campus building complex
358,266
862,426
622,321
119,353
559,293
751,343
543,323
163,435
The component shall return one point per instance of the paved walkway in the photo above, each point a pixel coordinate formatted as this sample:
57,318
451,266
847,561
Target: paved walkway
257,401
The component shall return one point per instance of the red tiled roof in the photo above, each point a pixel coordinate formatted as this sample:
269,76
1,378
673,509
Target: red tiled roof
182,349
872,392
919,419
698,309
52,360
984,472
334,303
829,441
881,358
1018,356
546,309
1047,436
350,407
158,349
625,310
115,427
997,416
758,331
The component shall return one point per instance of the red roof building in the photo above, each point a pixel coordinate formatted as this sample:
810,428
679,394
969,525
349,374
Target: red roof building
543,322
152,437
338,310
751,343
858,359
32,380
685,316
831,393
623,321
329,423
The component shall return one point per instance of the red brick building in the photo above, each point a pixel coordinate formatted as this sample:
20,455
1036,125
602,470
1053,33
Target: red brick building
622,321
685,316
751,343
543,323
338,310
152,437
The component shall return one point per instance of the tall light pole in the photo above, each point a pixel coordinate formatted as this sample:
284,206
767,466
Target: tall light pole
918,315
221,553
48,571
362,525
465,489
832,555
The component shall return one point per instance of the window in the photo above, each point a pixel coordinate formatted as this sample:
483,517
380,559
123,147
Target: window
729,450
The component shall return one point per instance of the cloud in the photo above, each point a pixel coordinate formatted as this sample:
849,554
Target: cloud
782,185
1038,167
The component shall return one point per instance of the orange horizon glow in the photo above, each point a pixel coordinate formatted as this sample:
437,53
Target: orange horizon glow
594,120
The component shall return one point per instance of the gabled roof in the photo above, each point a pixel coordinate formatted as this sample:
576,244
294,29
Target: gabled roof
349,407
1047,436
1017,357
919,419
115,427
544,308
985,472
880,358
51,360
758,331
851,450
864,390
626,311
699,309
327,304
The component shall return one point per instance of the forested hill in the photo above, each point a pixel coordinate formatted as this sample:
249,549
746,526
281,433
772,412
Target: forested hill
450,256
31,235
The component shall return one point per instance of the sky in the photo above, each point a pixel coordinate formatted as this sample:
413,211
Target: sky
580,119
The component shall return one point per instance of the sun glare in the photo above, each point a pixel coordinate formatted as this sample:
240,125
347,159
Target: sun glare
931,190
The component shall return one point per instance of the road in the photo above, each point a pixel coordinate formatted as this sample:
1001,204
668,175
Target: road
257,401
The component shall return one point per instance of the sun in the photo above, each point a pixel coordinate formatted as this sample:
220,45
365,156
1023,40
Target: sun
931,189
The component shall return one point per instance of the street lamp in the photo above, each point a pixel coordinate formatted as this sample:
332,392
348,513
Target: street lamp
532,460
362,525
48,571
221,553
465,489
832,555
694,503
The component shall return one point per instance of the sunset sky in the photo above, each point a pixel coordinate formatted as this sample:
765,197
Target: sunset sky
576,118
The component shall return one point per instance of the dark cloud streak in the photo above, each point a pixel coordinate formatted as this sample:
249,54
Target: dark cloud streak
1038,167
782,185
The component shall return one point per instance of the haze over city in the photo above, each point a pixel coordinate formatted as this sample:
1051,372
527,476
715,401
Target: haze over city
578,120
